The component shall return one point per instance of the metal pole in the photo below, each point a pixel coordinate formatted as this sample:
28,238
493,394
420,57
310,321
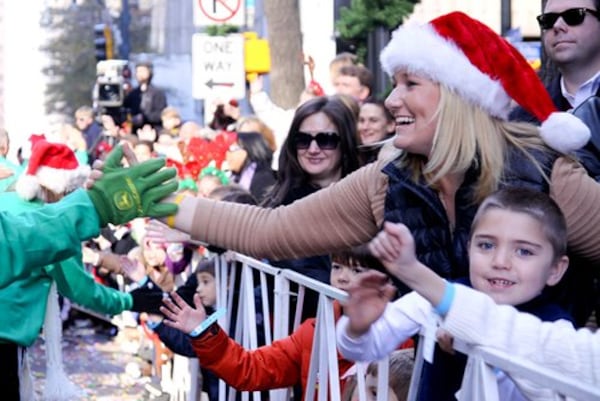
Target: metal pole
124,20
505,16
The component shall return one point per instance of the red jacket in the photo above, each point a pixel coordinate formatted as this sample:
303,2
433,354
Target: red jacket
284,363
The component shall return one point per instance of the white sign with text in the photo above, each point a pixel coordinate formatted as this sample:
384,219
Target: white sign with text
218,67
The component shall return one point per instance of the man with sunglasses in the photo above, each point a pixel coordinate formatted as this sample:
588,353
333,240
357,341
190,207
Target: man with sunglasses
570,34
571,39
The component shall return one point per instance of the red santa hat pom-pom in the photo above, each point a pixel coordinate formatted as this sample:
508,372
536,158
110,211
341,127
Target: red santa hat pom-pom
53,166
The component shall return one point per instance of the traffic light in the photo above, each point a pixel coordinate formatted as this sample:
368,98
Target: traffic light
103,42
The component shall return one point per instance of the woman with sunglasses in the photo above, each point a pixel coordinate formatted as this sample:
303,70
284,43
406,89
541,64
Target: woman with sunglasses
320,149
450,105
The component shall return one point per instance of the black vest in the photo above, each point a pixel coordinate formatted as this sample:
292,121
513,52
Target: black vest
418,206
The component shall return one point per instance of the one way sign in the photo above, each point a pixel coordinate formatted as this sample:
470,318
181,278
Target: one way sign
218,67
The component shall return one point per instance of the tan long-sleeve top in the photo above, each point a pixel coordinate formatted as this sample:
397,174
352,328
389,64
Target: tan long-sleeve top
350,212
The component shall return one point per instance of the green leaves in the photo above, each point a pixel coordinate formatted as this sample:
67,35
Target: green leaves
363,16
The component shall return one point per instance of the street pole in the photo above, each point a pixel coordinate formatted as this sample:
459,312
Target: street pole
505,16
124,20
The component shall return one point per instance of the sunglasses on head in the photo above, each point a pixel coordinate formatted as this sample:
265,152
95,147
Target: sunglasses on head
572,17
325,140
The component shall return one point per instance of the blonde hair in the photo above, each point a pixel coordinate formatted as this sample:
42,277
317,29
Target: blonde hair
466,133
263,129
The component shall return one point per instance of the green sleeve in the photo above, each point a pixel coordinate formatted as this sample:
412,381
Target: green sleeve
75,283
39,237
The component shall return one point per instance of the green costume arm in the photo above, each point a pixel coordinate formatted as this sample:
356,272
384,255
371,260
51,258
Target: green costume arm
51,233
75,283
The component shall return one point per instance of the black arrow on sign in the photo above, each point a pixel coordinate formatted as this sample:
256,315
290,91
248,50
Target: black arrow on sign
210,83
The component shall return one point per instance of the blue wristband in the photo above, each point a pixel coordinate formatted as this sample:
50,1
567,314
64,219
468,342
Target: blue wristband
201,328
444,306
142,282
152,324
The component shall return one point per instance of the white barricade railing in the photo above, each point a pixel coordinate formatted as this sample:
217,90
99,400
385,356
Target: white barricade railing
484,361
324,369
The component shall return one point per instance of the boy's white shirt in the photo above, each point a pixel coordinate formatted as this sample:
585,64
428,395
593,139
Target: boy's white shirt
401,320
476,319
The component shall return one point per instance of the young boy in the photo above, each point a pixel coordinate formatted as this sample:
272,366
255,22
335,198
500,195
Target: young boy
517,248
285,362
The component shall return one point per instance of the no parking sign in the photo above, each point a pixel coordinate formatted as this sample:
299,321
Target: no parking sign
216,12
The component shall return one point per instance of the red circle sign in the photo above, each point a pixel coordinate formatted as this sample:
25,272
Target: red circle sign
219,10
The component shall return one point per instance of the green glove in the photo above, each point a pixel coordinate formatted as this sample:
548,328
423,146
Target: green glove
123,194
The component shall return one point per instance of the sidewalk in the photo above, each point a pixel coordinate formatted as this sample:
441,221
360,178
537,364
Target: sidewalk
96,363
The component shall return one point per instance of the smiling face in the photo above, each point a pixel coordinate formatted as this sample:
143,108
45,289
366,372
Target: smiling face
573,46
322,165
511,259
413,102
373,124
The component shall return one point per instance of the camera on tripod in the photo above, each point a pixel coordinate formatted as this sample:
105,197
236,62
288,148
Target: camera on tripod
108,91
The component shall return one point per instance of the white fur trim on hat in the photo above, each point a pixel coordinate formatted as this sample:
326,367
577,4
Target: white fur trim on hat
57,180
564,132
421,50
27,186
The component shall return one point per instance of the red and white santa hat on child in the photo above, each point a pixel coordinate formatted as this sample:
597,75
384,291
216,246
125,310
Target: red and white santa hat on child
53,166
484,69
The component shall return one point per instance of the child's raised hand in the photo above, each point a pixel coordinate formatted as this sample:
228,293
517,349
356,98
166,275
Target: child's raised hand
394,246
132,268
180,315
369,295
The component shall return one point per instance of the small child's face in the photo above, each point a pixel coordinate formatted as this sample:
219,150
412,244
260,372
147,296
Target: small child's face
154,254
170,122
342,275
511,259
371,386
207,288
142,152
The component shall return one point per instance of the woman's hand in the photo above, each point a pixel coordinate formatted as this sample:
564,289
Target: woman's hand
161,233
180,315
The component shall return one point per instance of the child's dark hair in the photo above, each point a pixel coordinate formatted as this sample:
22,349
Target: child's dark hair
233,193
535,204
206,266
357,256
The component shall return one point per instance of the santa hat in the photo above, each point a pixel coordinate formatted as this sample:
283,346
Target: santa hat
53,166
484,69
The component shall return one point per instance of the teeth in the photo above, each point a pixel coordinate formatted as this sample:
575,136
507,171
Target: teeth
405,120
503,283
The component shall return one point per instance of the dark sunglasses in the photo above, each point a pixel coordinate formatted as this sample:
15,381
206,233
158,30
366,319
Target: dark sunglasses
325,140
572,17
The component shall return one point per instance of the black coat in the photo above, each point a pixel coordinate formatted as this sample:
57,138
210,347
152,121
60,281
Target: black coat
147,106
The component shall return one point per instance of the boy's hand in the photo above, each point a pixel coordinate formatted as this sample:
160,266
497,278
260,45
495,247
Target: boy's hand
369,296
445,340
394,246
180,315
